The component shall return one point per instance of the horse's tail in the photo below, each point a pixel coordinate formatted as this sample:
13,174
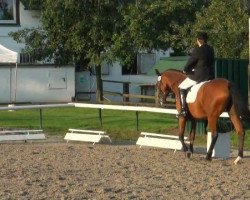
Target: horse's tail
241,107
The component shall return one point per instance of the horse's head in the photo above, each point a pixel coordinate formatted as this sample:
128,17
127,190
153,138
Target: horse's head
168,81
162,88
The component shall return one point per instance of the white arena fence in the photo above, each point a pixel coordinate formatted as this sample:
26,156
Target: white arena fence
100,107
148,139
132,108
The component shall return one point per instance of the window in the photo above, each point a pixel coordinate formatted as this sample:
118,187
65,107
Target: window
26,58
9,12
143,62
130,69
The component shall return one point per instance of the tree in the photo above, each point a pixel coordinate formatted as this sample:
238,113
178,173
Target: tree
152,25
87,32
73,31
227,25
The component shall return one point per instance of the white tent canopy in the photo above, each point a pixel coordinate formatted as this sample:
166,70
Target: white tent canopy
7,56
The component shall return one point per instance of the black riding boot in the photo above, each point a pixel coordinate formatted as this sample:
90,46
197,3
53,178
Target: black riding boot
183,95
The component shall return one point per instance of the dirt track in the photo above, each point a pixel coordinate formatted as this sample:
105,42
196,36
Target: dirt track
83,171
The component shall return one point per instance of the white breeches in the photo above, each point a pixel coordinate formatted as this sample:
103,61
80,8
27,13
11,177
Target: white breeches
187,83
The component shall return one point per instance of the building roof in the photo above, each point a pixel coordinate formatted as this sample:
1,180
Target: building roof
163,64
7,56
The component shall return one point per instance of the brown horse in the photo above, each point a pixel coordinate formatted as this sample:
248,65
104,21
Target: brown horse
213,98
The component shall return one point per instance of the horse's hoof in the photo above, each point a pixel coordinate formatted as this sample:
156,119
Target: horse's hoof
238,160
188,154
208,159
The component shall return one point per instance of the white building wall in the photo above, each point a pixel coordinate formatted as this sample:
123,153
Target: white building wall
37,83
40,84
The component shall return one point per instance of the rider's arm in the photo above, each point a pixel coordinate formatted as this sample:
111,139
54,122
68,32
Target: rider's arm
191,63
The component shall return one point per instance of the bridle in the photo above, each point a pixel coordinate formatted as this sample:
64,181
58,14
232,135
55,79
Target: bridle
163,94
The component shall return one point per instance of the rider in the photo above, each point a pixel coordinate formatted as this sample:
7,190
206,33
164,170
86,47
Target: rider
199,68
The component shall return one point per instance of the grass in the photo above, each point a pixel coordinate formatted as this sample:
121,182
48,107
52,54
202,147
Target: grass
120,125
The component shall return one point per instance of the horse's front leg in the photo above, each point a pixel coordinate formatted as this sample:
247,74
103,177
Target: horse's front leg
212,123
182,125
210,150
213,126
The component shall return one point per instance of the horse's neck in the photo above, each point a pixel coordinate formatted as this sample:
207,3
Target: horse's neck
175,82
175,90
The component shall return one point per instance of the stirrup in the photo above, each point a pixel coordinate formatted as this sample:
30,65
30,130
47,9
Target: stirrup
183,113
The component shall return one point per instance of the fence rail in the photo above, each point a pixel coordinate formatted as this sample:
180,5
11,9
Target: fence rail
126,92
100,107
22,107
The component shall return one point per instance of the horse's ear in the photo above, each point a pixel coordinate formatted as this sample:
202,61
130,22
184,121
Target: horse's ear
157,72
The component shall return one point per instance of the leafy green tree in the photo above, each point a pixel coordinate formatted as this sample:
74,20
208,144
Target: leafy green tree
152,25
73,31
227,25
91,31
87,32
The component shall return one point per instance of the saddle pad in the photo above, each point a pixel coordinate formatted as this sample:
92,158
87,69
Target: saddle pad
191,96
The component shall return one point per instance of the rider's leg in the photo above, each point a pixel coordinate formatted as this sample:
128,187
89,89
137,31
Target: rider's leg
183,95
187,83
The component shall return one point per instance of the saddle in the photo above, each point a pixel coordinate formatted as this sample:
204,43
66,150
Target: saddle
192,92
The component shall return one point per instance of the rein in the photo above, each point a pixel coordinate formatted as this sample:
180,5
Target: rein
173,85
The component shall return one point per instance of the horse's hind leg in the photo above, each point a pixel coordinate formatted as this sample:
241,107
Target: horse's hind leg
192,135
205,124
240,132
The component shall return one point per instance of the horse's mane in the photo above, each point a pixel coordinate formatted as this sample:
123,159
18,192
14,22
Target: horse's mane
174,76
174,70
